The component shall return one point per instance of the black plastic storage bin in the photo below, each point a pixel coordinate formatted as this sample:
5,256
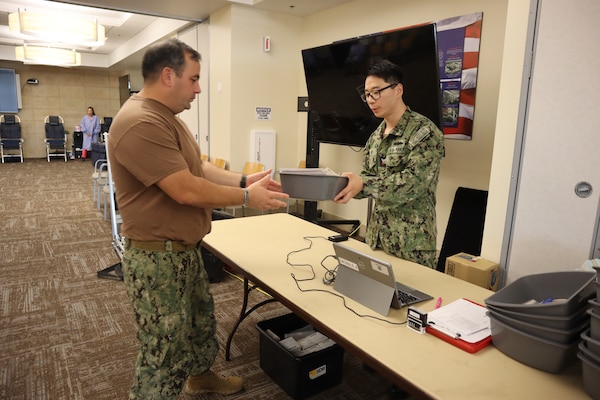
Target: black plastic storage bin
77,144
300,377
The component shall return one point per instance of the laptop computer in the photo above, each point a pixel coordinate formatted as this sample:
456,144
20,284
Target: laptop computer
371,282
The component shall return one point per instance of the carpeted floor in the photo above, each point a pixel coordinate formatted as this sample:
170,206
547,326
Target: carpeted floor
65,333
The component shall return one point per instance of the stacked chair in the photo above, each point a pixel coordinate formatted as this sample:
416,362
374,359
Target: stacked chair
538,319
100,180
56,137
11,140
589,347
115,271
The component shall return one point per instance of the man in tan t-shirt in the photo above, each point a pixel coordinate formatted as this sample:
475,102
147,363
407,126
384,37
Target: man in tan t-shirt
165,195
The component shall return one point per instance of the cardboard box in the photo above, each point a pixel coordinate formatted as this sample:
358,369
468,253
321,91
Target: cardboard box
474,269
299,377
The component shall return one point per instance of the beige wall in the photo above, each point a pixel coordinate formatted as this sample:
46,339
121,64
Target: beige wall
65,92
514,67
243,77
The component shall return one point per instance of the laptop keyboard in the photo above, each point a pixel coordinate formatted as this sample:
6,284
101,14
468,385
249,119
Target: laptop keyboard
405,298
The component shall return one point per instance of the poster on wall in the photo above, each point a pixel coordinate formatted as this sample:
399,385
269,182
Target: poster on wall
458,47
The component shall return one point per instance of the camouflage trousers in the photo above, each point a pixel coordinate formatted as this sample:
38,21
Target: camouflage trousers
427,258
174,312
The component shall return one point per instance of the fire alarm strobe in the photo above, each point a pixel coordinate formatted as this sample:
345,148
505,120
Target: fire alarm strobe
416,320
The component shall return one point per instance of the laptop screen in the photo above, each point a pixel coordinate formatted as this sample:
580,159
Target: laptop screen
370,281
365,279
365,264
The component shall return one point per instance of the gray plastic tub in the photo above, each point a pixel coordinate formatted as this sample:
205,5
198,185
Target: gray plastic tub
556,335
594,305
548,321
569,290
591,375
312,187
592,344
590,370
542,354
583,347
594,324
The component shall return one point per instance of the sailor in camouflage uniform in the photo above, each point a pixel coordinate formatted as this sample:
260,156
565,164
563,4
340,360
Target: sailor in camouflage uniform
165,194
400,171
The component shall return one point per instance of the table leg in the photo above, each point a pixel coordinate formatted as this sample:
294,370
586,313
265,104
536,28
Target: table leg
243,314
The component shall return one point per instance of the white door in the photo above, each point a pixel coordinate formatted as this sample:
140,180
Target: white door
196,118
554,227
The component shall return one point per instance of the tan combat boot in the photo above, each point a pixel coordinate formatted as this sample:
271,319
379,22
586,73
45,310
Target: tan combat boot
209,382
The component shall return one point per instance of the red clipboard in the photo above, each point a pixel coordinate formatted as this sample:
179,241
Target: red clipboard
461,344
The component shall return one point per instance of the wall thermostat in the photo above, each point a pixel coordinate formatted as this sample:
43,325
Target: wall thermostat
416,320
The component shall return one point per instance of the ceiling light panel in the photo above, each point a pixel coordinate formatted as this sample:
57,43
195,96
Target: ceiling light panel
47,56
58,28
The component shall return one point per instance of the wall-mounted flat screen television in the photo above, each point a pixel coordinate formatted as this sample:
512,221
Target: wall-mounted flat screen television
335,76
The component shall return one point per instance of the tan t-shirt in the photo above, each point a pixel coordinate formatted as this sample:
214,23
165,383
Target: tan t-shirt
146,144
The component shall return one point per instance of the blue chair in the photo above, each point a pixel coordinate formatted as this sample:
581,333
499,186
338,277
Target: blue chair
56,137
10,137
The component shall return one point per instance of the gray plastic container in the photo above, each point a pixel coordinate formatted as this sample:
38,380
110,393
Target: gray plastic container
542,354
592,344
594,305
548,321
591,375
590,369
594,324
312,187
597,287
556,335
584,348
571,291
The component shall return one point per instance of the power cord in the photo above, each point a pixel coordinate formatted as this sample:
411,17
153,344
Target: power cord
329,273
355,230
344,303
328,278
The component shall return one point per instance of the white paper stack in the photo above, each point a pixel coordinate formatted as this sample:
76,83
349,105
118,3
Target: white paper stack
461,319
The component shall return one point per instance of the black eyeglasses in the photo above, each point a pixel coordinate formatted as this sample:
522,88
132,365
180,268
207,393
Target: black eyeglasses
375,94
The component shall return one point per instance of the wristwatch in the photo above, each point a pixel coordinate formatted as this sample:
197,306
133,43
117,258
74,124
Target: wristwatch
246,197
243,181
